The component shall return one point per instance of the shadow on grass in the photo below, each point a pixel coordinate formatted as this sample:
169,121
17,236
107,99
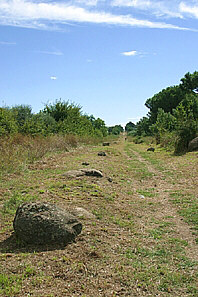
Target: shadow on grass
12,245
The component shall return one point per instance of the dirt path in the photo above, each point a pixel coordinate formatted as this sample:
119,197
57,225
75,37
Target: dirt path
163,187
134,243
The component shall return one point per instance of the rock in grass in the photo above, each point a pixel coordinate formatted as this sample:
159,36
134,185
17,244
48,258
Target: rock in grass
85,163
92,172
151,149
74,173
103,154
193,145
45,223
105,143
81,172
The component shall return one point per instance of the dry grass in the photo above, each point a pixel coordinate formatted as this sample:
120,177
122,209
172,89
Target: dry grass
17,151
137,243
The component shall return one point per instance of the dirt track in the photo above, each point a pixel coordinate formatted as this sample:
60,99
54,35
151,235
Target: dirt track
137,243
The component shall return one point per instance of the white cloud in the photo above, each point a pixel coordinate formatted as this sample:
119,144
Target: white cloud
192,10
7,43
87,2
168,8
131,53
40,15
53,78
56,53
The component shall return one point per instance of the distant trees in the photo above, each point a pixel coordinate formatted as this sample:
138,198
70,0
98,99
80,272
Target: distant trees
115,130
59,117
173,110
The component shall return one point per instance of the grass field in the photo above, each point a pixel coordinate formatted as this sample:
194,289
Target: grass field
142,239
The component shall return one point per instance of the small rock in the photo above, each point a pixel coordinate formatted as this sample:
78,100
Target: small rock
85,163
150,149
102,154
92,172
74,173
193,145
141,196
82,172
81,212
109,179
105,143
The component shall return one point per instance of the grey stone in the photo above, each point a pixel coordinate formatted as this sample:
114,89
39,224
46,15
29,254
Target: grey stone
109,179
45,223
103,154
105,143
85,163
92,172
74,173
82,172
193,145
150,149
82,213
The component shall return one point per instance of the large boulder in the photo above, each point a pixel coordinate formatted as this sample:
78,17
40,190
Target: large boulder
193,145
44,223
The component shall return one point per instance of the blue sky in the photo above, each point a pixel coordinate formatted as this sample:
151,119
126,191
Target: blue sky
107,56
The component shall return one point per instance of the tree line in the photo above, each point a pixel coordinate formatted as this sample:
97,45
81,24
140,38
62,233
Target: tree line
61,117
173,114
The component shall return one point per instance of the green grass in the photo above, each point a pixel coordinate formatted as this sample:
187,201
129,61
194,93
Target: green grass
11,204
187,207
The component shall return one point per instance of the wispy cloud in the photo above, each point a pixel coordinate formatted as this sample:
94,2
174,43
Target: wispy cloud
192,10
56,53
7,43
53,77
168,8
41,15
130,53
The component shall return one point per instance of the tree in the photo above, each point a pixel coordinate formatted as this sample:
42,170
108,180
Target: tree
189,82
22,113
61,110
186,115
8,124
143,127
115,130
167,99
130,127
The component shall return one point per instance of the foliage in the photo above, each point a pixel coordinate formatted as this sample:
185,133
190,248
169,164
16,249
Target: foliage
60,117
165,122
21,113
187,122
8,124
130,127
173,112
115,130
167,99
143,127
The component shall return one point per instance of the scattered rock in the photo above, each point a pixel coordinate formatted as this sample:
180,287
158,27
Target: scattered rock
141,196
150,149
105,143
81,212
102,154
74,173
45,223
193,145
109,179
92,172
85,163
82,172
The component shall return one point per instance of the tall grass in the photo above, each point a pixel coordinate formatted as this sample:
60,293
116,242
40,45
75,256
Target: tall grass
17,151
